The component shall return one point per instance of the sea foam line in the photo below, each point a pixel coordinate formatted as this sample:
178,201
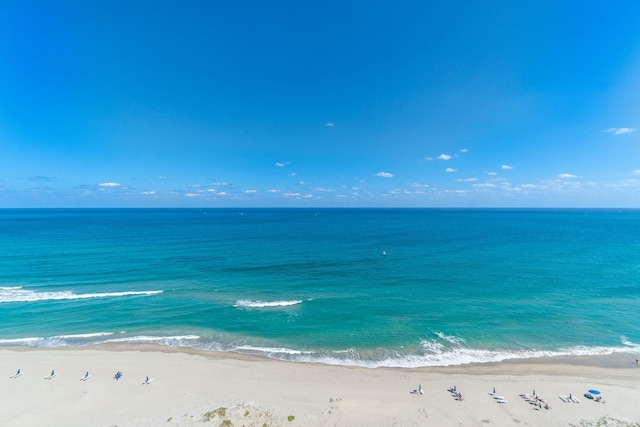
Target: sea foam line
56,340
348,357
173,341
99,338
17,294
263,304
395,359
91,335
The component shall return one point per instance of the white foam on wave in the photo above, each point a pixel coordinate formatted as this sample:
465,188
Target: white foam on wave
176,340
625,341
270,350
432,353
449,338
93,338
19,341
91,335
265,304
456,357
17,294
56,340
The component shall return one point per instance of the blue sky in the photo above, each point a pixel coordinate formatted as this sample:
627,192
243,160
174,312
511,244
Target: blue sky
313,104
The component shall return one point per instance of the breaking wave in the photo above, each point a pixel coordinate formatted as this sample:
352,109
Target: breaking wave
443,350
17,294
265,304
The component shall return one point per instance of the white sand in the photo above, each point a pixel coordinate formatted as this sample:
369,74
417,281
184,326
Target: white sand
255,391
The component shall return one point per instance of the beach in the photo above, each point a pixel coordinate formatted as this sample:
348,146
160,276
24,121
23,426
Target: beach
191,387
294,317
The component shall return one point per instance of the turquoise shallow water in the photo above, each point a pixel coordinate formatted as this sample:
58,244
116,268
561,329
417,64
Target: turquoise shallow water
368,287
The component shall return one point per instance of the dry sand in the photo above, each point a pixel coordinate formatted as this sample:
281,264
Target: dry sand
196,388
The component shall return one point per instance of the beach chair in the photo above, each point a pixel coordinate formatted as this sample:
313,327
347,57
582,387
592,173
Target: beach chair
51,376
147,381
86,376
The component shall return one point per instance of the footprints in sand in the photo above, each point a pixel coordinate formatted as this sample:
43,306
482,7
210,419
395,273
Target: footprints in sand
333,407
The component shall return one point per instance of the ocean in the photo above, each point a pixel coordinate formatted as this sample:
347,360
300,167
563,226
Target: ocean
365,287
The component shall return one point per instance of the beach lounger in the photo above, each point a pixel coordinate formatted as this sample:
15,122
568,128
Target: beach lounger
86,377
17,374
147,381
575,399
501,400
498,397
51,376
564,398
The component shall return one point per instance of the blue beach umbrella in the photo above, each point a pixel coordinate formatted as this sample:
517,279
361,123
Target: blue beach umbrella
594,391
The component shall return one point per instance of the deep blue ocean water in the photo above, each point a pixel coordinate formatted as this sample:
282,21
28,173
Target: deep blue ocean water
371,287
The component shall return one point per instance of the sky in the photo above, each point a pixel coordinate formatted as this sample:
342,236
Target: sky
319,104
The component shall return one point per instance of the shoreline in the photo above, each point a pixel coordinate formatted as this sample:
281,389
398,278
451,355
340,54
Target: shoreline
190,383
619,358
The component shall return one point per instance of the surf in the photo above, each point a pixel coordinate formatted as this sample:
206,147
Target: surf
18,294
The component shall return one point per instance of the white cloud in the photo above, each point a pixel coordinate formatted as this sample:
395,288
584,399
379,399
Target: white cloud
428,158
273,191
466,179
492,173
192,195
329,124
281,164
291,194
506,167
163,177
484,185
464,150
109,184
444,157
619,131
223,193
566,176
450,170
636,172
148,193
419,185
250,191
457,191
529,186
385,175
